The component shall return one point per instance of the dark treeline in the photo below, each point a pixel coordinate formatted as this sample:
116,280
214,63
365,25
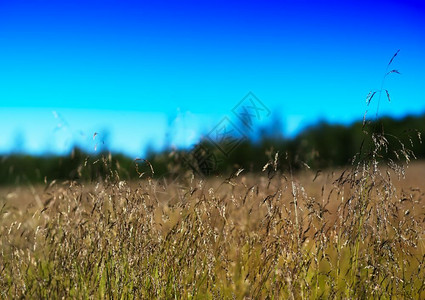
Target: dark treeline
320,146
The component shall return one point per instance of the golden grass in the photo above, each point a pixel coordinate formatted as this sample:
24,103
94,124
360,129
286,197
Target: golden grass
247,237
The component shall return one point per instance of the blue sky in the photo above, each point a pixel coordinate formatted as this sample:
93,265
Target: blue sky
165,72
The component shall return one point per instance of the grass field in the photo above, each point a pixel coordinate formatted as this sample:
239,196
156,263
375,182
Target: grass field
349,233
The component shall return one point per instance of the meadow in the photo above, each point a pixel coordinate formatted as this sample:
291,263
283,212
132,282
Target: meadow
349,233
285,232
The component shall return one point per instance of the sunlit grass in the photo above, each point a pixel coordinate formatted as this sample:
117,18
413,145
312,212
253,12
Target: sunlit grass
251,236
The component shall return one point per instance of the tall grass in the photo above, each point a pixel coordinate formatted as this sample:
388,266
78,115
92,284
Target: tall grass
249,237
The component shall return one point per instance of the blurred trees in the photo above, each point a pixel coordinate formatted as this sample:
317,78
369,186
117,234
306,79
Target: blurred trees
321,146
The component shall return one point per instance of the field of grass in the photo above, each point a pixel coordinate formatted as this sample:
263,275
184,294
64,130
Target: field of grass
349,233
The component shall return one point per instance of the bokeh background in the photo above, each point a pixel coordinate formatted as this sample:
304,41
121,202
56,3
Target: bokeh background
154,74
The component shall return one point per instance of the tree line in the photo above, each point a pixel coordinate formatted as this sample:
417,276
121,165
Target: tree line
320,146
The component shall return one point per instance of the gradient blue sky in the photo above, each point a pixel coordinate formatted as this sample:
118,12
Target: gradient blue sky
131,70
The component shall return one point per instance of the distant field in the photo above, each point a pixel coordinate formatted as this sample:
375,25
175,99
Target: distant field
352,234
27,195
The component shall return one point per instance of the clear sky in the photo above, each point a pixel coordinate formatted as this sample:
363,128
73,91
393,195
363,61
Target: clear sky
165,72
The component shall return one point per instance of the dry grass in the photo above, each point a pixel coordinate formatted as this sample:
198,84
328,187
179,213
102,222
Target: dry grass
356,233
